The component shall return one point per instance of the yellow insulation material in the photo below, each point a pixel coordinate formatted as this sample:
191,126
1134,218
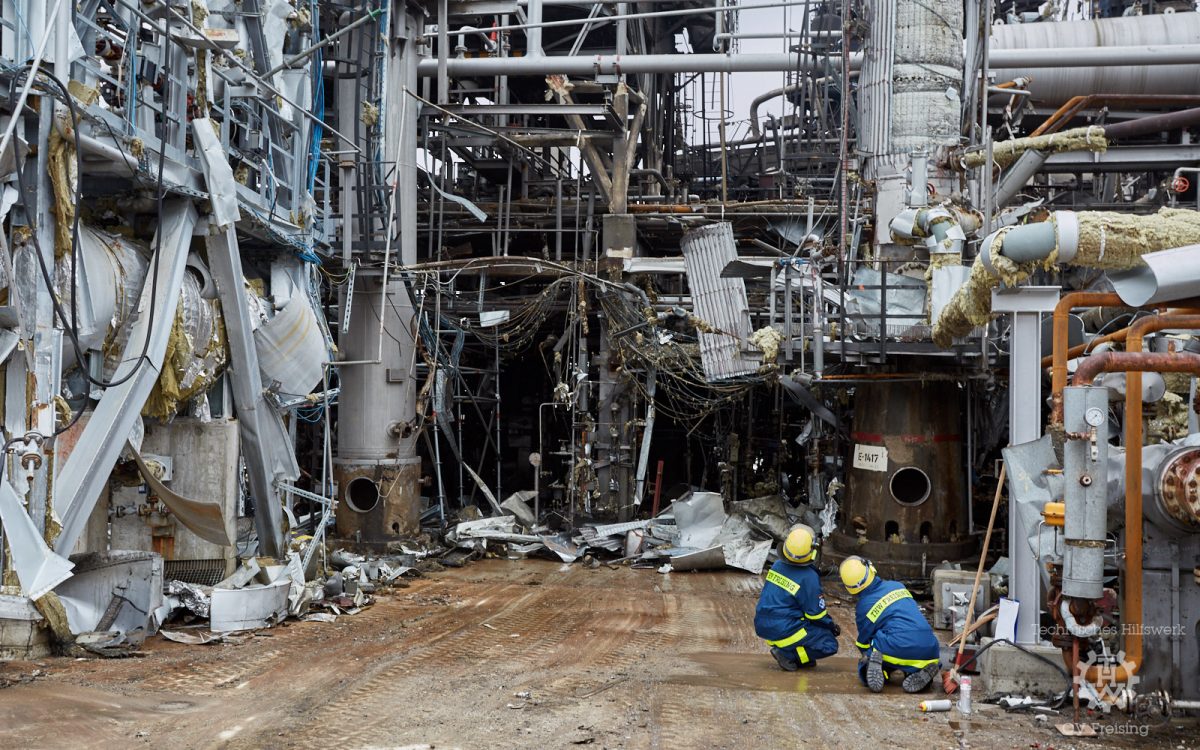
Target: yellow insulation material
767,340
1005,153
1112,241
51,607
1107,240
971,305
188,370
63,177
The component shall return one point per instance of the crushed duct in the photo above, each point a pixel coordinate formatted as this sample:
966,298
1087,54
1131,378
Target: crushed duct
1004,153
195,352
109,274
1102,240
291,348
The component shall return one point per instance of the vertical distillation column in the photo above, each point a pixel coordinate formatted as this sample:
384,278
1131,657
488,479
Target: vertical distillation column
378,466
908,97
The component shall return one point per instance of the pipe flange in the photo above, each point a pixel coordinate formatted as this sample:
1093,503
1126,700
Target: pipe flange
1178,488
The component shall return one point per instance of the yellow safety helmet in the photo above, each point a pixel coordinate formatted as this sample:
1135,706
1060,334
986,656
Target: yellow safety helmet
857,573
798,547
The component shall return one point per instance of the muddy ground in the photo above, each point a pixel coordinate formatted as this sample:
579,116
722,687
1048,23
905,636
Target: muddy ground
505,654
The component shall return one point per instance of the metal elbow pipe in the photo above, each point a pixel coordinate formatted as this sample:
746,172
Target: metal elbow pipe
937,225
761,99
1073,626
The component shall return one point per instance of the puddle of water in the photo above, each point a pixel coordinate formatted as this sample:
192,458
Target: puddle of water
837,674
966,726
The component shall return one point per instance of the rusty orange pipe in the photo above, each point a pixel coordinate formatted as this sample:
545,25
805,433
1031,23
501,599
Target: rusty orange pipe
1058,357
1131,608
1076,104
1059,352
1073,105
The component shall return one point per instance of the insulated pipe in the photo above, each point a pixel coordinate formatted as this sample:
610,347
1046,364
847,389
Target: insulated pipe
1077,104
937,225
1133,363
1027,243
1134,55
581,65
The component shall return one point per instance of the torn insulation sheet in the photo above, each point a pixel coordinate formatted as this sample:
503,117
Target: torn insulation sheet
291,348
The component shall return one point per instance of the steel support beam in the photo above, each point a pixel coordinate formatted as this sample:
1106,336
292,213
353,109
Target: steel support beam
1026,305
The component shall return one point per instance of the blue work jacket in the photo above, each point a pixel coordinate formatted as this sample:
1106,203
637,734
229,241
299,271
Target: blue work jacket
791,602
889,620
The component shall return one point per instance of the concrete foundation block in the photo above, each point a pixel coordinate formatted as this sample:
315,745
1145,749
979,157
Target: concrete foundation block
21,633
1006,670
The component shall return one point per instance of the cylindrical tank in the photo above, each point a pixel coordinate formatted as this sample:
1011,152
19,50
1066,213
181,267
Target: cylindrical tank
1054,86
905,498
378,470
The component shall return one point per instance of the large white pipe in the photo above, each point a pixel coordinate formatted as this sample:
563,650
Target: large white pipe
1153,54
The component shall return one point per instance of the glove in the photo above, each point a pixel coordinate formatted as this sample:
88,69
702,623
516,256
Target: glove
837,630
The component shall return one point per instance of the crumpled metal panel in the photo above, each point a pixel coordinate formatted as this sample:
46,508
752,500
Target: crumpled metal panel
37,567
719,302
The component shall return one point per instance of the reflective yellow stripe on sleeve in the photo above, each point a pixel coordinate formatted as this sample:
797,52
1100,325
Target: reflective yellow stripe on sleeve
918,663
783,582
863,646
790,640
887,601
823,613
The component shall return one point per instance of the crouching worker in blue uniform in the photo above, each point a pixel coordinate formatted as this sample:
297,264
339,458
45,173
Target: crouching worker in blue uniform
893,635
791,614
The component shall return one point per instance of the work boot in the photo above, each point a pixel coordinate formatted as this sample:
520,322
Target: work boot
785,661
920,680
875,676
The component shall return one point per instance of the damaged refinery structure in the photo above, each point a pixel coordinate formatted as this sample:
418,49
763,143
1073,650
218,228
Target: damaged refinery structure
300,299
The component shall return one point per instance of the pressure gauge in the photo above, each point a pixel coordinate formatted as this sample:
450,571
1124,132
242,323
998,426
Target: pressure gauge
1094,416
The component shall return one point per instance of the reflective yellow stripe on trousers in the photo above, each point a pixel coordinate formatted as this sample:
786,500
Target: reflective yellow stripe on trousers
790,640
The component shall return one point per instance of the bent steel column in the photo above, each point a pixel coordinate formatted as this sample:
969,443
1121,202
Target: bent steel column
87,469
254,424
